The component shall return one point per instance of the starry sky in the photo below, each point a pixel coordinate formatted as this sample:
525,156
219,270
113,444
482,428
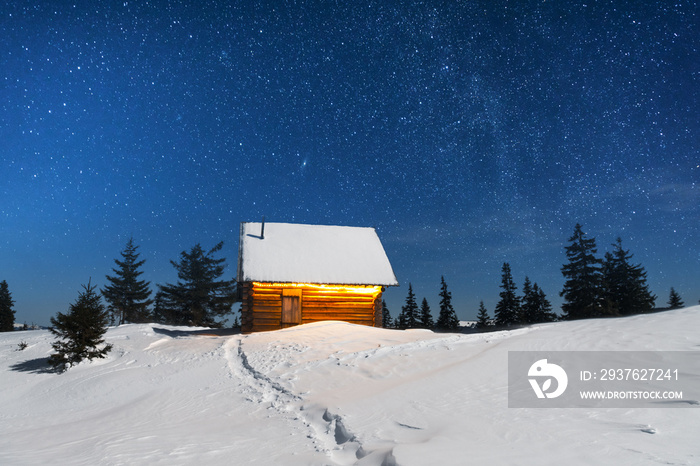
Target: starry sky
469,133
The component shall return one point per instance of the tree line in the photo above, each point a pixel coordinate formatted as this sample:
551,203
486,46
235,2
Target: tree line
594,287
199,298
411,316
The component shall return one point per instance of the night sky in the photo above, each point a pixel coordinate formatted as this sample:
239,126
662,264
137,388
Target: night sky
469,133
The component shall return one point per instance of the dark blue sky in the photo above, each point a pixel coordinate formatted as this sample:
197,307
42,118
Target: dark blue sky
468,133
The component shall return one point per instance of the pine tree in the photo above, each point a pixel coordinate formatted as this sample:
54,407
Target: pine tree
625,289
674,300
400,321
7,314
80,332
409,312
387,321
582,289
535,307
482,318
608,287
507,310
447,319
159,314
128,297
544,307
426,318
529,305
199,298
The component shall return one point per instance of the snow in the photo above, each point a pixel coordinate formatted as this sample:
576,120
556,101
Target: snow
329,393
313,254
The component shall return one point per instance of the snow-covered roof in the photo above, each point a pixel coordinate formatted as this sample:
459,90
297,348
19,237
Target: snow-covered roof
295,253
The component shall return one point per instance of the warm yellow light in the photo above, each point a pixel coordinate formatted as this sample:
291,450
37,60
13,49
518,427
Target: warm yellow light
368,290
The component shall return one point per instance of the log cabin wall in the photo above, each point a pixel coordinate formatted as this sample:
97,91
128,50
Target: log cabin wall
246,308
263,309
324,304
261,306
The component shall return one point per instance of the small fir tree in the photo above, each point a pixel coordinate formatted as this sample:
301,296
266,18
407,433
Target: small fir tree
625,289
7,314
387,321
409,311
535,307
482,318
159,316
582,288
199,298
608,288
426,318
507,310
544,307
128,297
674,300
447,319
528,307
80,332
400,321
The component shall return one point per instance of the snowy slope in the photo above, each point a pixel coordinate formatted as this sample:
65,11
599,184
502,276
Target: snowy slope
329,393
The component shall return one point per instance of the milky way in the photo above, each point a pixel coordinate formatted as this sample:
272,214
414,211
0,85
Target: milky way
468,133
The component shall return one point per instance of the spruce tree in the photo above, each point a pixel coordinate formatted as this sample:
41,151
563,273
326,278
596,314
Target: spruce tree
507,310
199,298
7,314
582,289
674,300
426,318
80,332
400,321
159,314
409,312
529,305
482,318
609,287
625,289
128,297
447,319
535,307
387,321
544,307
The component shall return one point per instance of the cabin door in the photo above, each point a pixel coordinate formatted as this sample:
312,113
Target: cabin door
291,307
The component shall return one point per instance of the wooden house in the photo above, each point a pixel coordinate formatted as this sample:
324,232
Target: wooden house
290,274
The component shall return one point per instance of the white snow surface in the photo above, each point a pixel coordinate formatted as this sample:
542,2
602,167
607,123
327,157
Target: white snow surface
329,393
299,253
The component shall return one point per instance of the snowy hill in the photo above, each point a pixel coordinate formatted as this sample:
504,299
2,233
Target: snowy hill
329,393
